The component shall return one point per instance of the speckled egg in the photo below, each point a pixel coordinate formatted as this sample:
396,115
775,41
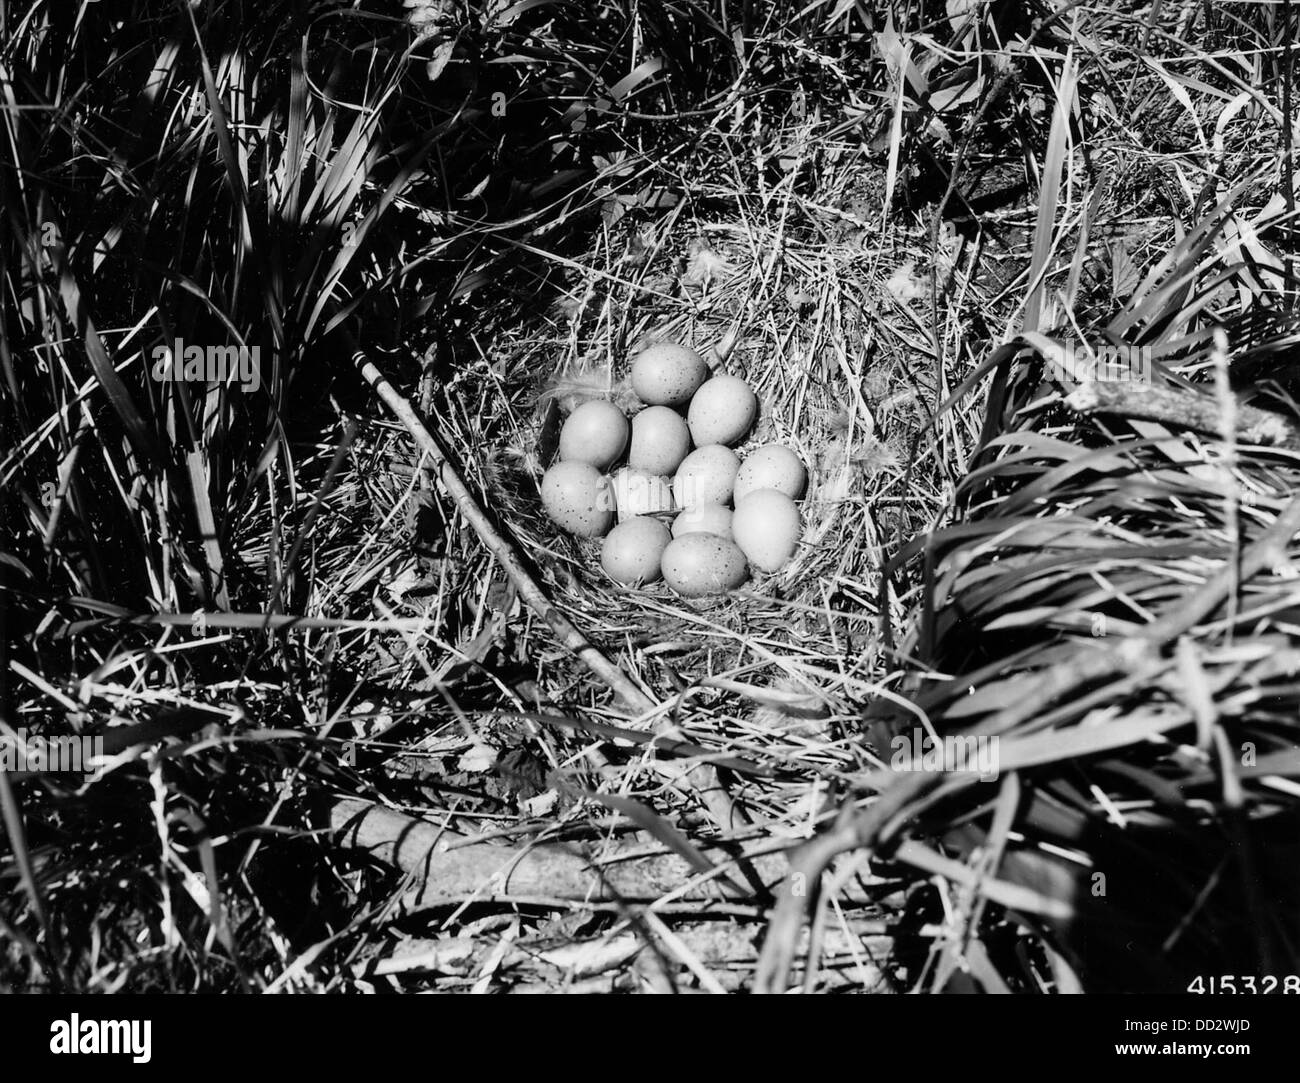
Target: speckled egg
578,499
639,493
631,552
722,411
596,432
704,519
667,374
706,476
771,467
765,525
660,440
696,565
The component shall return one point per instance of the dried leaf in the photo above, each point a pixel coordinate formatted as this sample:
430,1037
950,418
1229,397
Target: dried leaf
962,89
594,957
611,211
655,198
1124,274
449,956
959,15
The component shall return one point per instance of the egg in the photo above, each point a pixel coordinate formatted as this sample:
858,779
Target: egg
578,499
765,525
631,551
722,411
596,432
706,476
704,519
660,440
639,493
667,374
771,467
695,565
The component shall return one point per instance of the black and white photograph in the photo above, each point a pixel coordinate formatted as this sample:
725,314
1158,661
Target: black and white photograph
635,497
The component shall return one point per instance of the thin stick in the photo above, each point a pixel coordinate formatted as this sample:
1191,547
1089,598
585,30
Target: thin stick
469,869
504,549
1185,408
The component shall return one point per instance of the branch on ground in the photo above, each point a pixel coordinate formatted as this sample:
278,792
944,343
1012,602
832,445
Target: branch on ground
446,867
1177,407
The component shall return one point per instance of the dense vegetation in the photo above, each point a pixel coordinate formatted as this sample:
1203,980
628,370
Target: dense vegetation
321,635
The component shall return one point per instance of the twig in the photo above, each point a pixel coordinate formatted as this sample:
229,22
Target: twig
1177,407
444,874
504,549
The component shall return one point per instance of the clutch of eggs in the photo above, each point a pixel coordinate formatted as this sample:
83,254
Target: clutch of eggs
678,464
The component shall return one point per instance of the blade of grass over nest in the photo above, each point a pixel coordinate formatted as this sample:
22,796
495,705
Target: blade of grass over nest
1086,220
1017,753
1012,896
1049,193
895,128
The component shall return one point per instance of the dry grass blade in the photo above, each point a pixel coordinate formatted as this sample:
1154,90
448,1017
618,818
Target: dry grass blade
1049,193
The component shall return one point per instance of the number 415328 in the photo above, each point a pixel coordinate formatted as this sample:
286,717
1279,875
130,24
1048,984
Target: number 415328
1245,983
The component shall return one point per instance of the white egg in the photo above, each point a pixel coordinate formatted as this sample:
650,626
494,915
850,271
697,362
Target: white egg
722,411
596,432
639,493
660,440
706,476
765,525
704,519
771,467
631,551
667,374
695,565
578,499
